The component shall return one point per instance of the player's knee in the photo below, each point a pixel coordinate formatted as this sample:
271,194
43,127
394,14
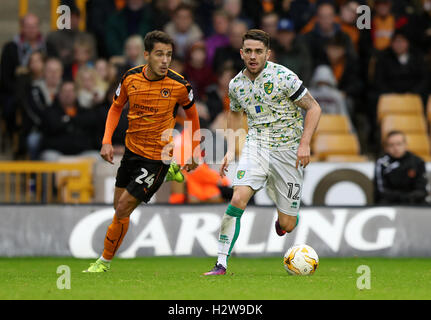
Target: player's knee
238,201
124,207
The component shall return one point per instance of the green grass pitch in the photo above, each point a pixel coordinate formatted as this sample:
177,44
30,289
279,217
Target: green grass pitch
175,278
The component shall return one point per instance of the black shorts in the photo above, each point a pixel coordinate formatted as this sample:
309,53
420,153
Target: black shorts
141,177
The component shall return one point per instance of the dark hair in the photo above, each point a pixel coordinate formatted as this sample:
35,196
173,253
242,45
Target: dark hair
256,34
156,36
394,133
183,6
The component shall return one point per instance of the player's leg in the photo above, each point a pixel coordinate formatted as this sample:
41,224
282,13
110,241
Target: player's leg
285,187
136,181
117,230
285,223
230,227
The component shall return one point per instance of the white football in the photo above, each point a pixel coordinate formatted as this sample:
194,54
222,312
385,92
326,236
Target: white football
301,260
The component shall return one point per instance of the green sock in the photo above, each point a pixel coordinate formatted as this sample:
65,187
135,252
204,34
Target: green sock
229,232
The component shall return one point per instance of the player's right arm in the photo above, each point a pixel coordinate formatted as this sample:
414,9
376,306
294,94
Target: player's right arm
234,120
114,114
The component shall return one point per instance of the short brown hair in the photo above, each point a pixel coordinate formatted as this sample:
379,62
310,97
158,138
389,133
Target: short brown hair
156,36
394,133
256,34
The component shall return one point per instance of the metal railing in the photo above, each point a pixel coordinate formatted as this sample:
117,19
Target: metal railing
46,182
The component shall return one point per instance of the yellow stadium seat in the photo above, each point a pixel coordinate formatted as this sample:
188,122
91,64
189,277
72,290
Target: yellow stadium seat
399,104
404,123
419,144
333,123
335,144
346,158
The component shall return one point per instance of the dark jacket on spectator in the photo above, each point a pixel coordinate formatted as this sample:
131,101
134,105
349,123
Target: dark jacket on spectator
227,57
125,23
393,77
68,135
400,181
316,43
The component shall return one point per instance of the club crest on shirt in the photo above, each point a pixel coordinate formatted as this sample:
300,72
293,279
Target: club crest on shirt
166,93
118,91
268,87
240,174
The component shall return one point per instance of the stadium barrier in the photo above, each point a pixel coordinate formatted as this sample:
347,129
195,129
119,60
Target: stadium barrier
37,181
155,230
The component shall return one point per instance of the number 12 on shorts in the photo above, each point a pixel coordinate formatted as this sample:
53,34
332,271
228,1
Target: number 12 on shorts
148,180
290,191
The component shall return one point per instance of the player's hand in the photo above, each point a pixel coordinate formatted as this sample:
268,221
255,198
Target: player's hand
226,160
303,155
107,153
190,166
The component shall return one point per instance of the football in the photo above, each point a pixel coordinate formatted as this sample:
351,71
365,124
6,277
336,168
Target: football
301,260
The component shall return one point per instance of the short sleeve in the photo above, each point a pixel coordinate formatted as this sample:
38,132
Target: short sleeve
186,99
294,88
233,102
120,96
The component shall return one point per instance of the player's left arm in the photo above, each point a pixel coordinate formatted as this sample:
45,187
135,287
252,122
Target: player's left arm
189,106
313,111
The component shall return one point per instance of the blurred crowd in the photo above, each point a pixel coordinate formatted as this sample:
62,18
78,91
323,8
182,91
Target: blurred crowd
56,88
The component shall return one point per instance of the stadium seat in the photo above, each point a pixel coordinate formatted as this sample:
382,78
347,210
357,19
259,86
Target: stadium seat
399,104
335,144
419,144
333,123
405,123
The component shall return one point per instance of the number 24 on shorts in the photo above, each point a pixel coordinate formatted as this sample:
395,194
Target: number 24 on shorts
148,180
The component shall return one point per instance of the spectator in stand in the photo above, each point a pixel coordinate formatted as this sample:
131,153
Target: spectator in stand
300,12
220,36
325,29
198,73
399,176
84,54
217,99
292,52
425,26
344,65
102,68
23,85
14,60
183,30
383,24
36,101
269,24
229,55
101,111
67,128
96,18
234,9
90,89
135,18
164,11
348,18
400,69
323,88
133,54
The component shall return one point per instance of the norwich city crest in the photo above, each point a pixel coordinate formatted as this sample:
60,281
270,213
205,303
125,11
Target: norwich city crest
240,174
268,87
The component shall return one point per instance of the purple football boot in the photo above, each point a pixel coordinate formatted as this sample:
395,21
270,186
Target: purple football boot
279,230
216,271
